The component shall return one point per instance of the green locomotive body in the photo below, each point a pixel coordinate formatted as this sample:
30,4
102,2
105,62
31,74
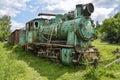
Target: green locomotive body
66,37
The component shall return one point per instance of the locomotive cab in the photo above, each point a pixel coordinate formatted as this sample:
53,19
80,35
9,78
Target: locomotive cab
33,26
31,30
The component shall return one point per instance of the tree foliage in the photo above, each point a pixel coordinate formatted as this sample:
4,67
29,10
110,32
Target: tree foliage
111,27
5,25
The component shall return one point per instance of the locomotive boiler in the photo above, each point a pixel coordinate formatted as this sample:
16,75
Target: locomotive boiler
66,37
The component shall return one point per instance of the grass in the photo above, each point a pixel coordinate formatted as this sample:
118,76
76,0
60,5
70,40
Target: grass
16,64
13,69
105,49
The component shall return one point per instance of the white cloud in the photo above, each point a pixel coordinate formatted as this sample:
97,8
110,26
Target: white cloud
16,25
101,13
103,8
8,11
49,1
106,3
62,5
12,7
33,8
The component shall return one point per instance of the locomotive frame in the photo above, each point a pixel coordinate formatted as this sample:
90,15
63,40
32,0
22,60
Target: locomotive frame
66,37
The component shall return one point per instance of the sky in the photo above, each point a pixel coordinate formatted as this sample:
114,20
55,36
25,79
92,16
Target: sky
22,11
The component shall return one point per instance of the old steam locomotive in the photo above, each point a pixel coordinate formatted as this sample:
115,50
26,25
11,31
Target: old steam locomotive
66,37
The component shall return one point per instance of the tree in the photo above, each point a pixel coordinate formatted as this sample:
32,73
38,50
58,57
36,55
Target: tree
111,27
5,25
117,15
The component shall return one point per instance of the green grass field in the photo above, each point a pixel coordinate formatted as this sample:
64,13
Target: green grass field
16,64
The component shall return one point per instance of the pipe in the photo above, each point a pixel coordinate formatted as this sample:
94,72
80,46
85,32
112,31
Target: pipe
46,14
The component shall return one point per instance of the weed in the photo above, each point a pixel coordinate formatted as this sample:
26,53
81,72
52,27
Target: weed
15,64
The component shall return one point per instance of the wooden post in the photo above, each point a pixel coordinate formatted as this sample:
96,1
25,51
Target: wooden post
112,62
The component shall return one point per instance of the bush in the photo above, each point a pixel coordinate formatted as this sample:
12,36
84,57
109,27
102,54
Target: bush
92,74
97,74
17,48
13,69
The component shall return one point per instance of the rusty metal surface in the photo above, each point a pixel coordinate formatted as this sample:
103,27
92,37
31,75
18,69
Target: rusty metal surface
58,45
58,42
15,37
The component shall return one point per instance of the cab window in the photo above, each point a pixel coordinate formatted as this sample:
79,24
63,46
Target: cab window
36,24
